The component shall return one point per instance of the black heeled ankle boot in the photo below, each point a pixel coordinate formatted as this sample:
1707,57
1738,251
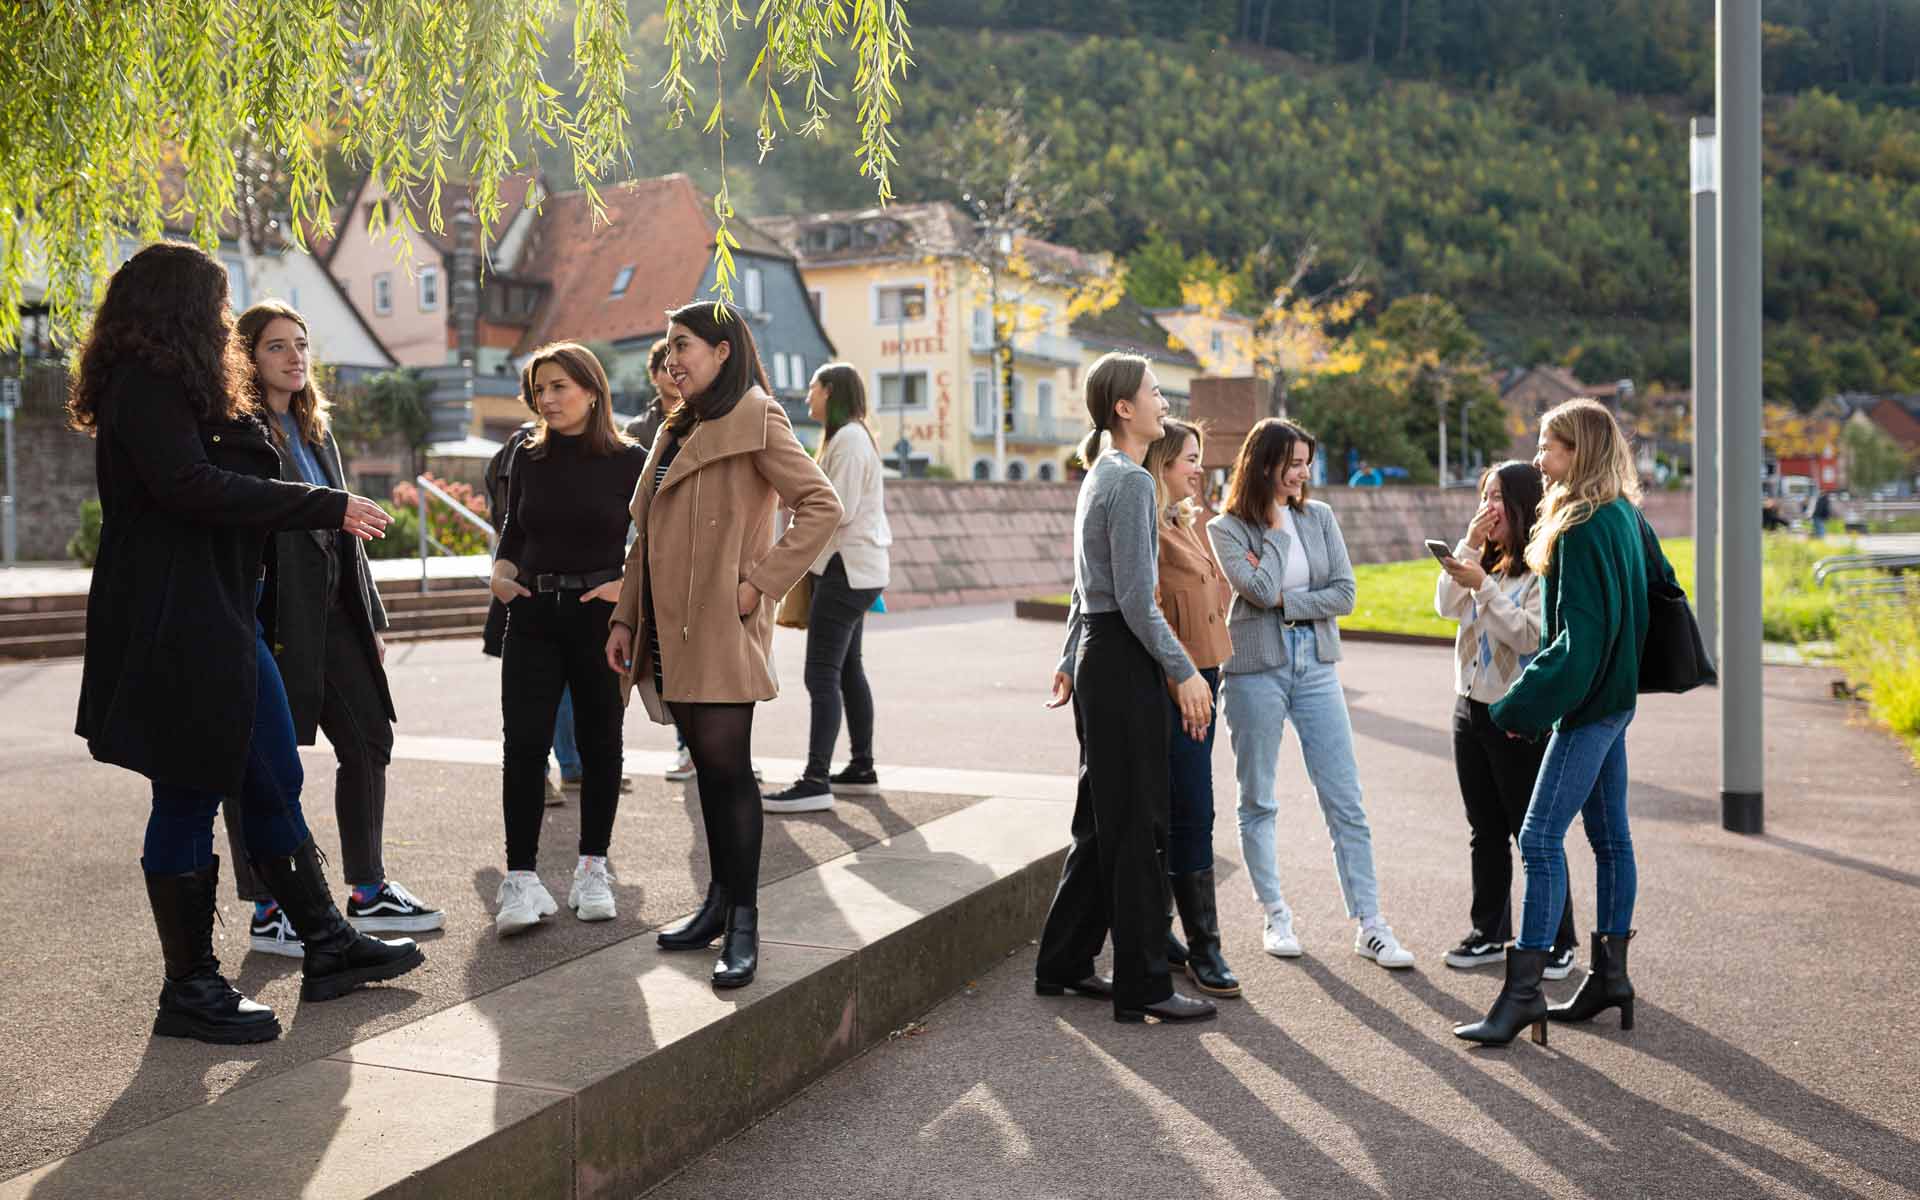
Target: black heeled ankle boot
698,931
196,1001
1521,1002
740,951
1606,985
1193,892
339,957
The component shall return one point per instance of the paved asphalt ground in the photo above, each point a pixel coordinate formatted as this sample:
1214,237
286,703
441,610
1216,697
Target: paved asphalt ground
1775,1053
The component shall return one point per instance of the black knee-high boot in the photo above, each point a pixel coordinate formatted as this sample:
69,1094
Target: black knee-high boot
1193,892
196,1001
1606,985
1521,1003
339,957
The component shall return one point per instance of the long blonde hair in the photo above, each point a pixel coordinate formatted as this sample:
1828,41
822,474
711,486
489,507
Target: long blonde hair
1603,471
1160,455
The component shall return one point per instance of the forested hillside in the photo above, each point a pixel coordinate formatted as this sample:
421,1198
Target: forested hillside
1552,210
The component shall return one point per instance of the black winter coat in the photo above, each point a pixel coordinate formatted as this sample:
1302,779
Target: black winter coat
298,604
168,685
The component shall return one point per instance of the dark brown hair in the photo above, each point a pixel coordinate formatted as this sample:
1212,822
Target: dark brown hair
309,406
714,322
165,310
585,370
846,400
1521,488
1269,444
1113,377
657,355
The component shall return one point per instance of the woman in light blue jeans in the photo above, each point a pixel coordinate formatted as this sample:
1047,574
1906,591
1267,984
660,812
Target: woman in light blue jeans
1291,580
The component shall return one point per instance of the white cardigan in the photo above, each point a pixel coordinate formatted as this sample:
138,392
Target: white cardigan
1499,629
852,462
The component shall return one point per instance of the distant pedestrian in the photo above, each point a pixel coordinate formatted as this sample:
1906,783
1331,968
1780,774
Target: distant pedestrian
180,683
1487,587
1593,563
1194,595
1120,657
558,572
847,578
1292,581
693,631
1821,513
327,619
643,430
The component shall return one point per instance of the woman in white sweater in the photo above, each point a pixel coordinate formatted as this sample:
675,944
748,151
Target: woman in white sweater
847,578
1487,588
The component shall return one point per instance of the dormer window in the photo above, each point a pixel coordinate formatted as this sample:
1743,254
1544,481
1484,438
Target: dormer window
621,281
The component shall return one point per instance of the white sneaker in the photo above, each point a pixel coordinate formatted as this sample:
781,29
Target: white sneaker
521,901
1559,966
682,768
1378,943
1278,935
591,897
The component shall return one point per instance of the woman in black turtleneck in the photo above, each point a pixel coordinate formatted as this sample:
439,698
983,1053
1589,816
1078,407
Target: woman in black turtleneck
558,571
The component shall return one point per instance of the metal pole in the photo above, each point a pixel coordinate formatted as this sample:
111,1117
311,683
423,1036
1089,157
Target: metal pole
999,418
1443,442
9,520
1706,389
1466,468
1737,103
900,349
420,488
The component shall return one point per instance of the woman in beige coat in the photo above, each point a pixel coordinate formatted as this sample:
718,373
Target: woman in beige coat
693,630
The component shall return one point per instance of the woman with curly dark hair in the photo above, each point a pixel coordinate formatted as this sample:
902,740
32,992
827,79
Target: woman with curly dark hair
180,682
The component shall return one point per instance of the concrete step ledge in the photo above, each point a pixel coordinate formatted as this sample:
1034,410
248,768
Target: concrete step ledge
602,1076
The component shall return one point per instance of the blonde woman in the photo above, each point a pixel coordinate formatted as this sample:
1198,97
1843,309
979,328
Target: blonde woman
1583,685
1194,595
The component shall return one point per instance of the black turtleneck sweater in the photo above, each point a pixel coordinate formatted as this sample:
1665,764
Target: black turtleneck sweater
567,509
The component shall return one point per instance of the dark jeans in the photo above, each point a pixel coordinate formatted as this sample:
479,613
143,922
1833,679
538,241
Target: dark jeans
834,673
180,828
354,718
1115,875
1190,794
719,738
1497,775
556,643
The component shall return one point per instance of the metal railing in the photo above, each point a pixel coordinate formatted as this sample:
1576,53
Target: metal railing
429,488
1861,579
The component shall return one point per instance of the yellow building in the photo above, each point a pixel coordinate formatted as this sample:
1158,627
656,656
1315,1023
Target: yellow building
905,306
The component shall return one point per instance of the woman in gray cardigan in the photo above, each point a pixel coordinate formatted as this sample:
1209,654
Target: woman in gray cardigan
1288,565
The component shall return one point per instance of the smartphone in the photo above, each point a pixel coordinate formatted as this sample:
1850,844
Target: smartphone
1440,549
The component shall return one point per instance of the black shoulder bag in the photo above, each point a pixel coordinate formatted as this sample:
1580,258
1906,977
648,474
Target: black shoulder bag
1674,658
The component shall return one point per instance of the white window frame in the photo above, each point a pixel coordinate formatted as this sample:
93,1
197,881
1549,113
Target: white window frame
383,294
894,285
980,332
797,371
429,277
753,289
780,372
880,395
622,280
1043,400
982,400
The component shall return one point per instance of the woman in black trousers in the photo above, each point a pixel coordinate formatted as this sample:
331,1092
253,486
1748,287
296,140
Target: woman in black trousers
1121,657
179,683
558,571
328,617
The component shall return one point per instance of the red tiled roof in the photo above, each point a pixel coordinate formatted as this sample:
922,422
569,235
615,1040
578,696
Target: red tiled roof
662,228
1899,424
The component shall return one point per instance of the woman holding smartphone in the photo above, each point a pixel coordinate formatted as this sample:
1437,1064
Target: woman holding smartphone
1121,657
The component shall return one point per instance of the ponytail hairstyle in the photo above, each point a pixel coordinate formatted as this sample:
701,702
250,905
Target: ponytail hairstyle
1603,471
1520,493
309,406
846,402
1112,378
1160,455
1268,447
714,322
600,437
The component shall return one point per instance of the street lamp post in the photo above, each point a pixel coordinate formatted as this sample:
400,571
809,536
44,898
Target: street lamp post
1706,388
902,447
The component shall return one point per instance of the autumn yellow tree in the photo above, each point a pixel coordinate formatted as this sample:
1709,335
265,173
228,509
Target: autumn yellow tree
1299,334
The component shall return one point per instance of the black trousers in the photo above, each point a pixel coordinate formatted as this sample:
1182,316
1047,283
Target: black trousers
554,642
1496,783
835,675
354,717
1115,875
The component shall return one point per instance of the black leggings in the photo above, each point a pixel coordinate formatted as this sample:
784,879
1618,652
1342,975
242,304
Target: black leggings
720,739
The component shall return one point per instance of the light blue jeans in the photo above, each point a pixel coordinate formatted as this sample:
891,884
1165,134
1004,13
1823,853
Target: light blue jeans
1257,707
1585,772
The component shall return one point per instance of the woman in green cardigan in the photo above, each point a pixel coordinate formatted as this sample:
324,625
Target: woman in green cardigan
1581,688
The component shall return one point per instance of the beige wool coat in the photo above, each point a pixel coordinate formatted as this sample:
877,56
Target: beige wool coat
709,527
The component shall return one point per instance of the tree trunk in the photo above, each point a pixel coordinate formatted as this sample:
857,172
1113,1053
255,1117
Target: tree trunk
1406,18
1266,19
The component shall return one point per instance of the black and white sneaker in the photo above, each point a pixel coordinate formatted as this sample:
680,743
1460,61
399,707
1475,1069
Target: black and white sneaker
1477,950
393,909
855,780
1560,965
273,934
806,795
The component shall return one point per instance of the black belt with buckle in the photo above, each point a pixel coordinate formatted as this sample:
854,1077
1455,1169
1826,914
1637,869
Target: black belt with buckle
575,583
